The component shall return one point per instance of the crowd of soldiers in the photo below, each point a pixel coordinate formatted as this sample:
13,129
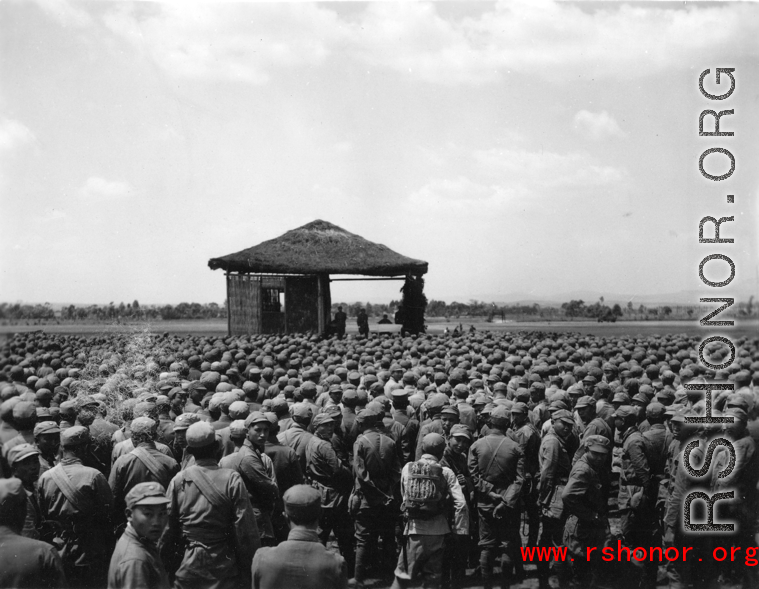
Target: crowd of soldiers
233,462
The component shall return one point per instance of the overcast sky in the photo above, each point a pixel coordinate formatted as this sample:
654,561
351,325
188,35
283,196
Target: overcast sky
531,146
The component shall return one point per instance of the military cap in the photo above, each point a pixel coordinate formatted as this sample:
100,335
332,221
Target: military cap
302,410
237,428
450,410
24,410
522,395
197,385
279,404
238,410
520,407
200,434
321,419
67,407
146,494
46,427
74,436
43,413
557,405
272,417
437,401
256,417
736,412
44,395
20,452
500,387
487,409
575,391
215,403
679,415
12,497
479,400
585,401
620,397
185,420
332,410
303,501
87,401
143,425
735,400
665,395
367,416
143,408
598,443
147,397
640,398
499,412
161,400
460,430
655,410
398,392
625,411
563,415
433,443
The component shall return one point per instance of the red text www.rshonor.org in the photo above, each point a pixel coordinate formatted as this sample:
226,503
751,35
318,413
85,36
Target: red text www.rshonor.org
639,554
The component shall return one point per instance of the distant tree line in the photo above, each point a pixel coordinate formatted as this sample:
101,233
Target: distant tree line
112,312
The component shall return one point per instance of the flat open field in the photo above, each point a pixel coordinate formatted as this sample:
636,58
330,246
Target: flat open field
218,327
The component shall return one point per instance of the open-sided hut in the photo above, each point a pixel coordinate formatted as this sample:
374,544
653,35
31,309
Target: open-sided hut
282,285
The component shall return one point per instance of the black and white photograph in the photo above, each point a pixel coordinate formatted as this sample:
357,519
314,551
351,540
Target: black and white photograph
379,295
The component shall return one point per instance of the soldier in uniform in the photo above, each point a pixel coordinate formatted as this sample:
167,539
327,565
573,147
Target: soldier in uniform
142,465
25,466
249,464
24,563
458,548
743,508
300,561
79,499
47,438
422,553
555,465
374,507
585,506
179,445
339,320
410,424
497,466
434,406
333,479
684,573
297,435
528,437
212,533
637,496
135,561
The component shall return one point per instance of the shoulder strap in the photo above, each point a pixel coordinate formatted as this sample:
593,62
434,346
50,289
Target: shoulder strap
70,492
493,457
149,461
206,486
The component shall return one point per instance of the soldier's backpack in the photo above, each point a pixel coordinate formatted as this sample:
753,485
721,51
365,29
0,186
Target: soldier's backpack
427,492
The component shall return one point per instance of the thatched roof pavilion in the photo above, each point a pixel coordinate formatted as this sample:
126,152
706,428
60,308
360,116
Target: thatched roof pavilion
282,285
320,247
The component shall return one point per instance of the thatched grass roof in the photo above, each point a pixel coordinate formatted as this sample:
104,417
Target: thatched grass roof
319,247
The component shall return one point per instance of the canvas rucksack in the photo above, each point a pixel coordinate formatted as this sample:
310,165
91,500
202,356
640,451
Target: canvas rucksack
426,491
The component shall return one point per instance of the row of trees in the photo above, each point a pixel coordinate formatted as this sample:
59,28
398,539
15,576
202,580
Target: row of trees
112,312
474,308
